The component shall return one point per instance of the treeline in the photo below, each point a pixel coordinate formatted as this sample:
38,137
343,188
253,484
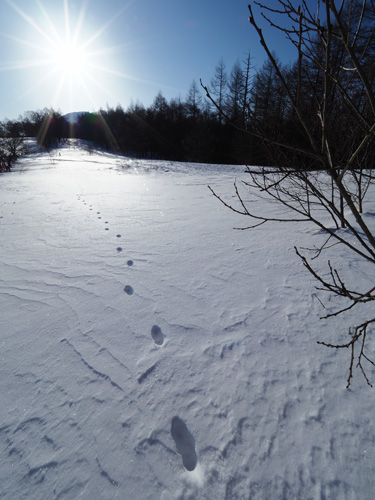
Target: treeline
188,129
248,114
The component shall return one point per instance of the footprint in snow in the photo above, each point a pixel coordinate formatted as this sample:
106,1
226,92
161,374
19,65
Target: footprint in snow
129,290
157,335
185,443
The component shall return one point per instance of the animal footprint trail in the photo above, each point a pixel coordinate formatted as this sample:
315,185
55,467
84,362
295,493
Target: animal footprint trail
185,443
157,335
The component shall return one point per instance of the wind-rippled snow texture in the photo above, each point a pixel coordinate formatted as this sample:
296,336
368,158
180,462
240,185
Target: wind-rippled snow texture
126,300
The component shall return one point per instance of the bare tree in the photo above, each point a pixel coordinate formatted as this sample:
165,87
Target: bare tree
247,77
320,177
235,94
219,86
193,102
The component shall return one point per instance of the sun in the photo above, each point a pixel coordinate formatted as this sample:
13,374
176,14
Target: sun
66,53
69,59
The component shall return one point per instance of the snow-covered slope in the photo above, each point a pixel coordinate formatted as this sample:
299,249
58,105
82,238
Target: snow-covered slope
150,351
74,116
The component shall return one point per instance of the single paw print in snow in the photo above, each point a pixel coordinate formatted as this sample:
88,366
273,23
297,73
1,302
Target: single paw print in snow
157,335
129,290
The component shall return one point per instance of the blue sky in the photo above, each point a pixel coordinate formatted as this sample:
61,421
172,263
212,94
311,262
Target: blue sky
76,55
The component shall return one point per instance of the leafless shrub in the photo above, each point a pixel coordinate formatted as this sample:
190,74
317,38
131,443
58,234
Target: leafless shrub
324,177
10,150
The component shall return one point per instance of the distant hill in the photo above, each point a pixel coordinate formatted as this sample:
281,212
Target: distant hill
73,117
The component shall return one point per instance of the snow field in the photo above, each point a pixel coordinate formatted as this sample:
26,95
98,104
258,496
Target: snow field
150,351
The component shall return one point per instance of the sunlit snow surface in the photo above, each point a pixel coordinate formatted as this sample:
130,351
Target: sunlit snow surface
142,336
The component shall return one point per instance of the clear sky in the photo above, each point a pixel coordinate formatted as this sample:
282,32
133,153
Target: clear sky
77,55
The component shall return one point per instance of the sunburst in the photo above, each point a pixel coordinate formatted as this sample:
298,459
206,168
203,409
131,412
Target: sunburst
65,52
